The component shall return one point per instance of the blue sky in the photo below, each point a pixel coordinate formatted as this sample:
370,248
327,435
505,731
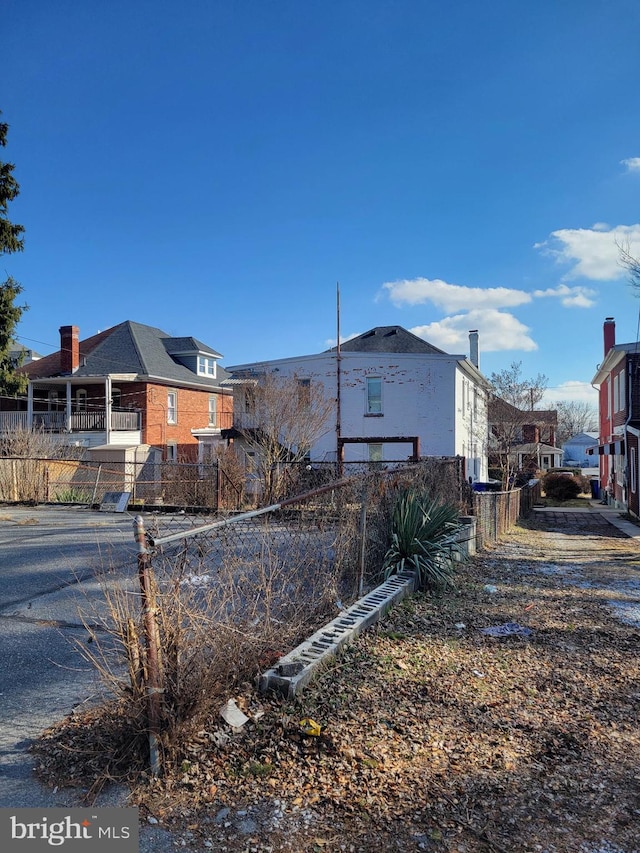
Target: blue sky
216,167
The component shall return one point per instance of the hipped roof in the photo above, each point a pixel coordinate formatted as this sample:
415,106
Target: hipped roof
132,348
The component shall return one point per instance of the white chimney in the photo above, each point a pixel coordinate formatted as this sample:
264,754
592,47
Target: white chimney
474,356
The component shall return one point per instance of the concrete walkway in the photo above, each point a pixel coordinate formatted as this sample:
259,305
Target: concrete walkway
611,514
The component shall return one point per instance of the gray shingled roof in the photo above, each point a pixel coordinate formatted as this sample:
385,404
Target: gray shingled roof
388,339
133,348
176,346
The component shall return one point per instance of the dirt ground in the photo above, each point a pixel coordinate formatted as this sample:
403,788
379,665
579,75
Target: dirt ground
437,736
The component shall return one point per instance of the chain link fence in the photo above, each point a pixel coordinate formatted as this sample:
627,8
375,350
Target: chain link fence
217,487
497,512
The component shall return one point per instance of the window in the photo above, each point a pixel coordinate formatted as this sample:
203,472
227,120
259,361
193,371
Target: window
116,398
616,394
206,366
374,395
621,391
81,400
52,401
213,410
172,451
375,452
634,471
304,393
172,407
250,400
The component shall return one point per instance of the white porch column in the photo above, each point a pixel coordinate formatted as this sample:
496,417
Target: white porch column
67,419
30,405
108,405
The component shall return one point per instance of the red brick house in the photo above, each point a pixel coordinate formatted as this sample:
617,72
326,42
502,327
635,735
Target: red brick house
618,381
522,440
130,385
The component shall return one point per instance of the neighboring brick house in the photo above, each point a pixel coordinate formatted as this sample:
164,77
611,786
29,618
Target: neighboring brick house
130,385
523,438
619,432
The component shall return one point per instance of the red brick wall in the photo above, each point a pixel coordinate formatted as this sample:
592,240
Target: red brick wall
192,413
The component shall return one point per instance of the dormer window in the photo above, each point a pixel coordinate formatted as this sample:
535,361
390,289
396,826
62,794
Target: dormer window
206,366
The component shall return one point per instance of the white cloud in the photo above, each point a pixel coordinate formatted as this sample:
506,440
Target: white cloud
632,164
452,297
497,331
571,297
571,391
593,252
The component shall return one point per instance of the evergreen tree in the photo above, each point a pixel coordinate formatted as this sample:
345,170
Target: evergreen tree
11,240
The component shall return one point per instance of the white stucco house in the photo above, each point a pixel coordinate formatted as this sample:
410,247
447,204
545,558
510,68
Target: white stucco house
397,397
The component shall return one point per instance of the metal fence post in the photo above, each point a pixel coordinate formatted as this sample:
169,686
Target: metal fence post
152,641
363,540
95,485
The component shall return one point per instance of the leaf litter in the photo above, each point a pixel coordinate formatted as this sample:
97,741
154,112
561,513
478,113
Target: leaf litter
433,736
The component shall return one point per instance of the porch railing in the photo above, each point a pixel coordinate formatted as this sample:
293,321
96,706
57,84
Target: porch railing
80,421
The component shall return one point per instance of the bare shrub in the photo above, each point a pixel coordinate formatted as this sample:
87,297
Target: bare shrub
232,474
561,487
279,418
231,596
227,607
24,463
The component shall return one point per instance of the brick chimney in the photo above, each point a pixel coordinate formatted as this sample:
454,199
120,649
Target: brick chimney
69,349
609,334
474,356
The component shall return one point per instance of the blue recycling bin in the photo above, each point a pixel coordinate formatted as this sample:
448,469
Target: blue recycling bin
595,487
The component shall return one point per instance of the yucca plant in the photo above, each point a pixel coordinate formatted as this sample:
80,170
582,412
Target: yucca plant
424,540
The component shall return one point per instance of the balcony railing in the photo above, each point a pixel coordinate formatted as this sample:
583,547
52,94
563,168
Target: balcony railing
80,421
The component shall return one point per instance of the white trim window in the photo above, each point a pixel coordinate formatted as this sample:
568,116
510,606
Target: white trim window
374,395
172,407
213,409
172,451
206,366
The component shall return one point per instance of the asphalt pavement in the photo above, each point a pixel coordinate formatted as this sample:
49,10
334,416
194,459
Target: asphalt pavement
54,563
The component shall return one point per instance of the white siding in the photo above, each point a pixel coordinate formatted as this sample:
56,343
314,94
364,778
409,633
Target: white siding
421,396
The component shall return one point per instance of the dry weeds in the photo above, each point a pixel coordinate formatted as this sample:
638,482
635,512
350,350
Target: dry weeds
435,736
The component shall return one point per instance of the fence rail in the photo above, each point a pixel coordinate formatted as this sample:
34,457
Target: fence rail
90,421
